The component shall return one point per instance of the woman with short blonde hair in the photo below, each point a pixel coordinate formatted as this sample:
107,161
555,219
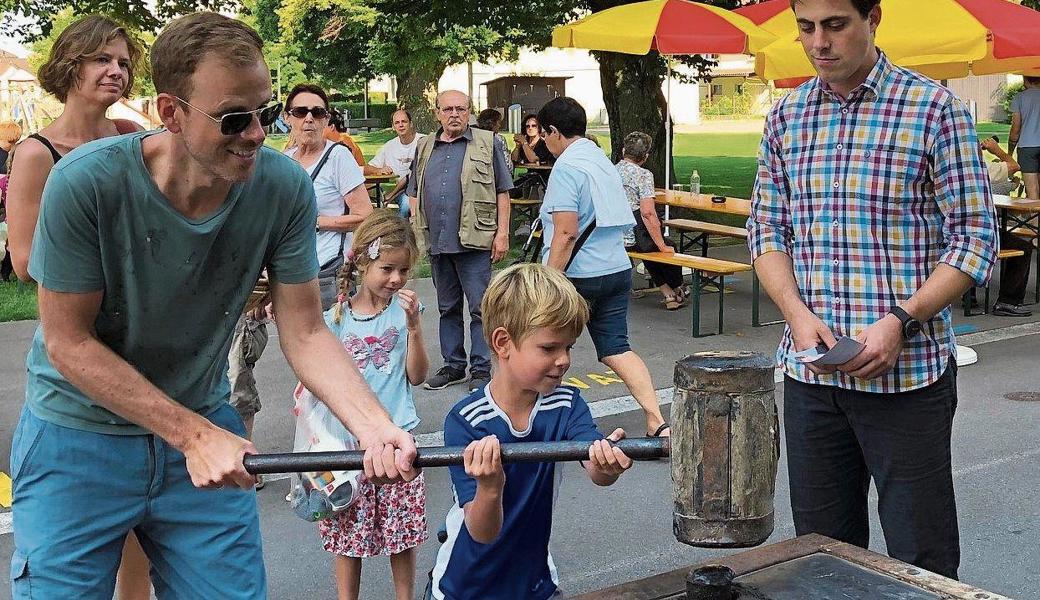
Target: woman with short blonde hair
91,66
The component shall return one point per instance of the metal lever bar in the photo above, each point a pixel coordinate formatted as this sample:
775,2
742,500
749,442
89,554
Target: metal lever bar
443,456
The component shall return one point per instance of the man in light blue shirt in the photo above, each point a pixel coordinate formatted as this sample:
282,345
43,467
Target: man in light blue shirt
146,249
585,201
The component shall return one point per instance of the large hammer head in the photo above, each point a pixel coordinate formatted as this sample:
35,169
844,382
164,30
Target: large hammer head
725,449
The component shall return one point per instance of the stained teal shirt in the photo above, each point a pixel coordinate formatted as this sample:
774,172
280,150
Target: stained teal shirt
173,287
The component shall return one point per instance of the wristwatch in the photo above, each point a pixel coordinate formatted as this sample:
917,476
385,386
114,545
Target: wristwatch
911,326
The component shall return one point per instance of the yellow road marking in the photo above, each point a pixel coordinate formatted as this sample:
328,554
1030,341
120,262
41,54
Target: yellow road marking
5,490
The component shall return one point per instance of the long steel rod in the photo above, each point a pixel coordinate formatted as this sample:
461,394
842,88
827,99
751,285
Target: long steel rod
443,456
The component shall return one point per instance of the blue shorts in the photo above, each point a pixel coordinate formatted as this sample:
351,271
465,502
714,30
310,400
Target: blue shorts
77,494
608,310
1029,159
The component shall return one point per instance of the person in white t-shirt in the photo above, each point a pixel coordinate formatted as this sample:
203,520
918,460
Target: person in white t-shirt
395,157
339,184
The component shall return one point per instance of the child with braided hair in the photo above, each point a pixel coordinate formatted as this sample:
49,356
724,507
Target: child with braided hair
379,325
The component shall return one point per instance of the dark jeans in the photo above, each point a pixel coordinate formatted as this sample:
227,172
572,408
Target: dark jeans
660,273
455,275
1014,273
837,440
607,296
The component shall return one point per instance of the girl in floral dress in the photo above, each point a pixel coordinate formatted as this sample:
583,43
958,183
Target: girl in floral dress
379,325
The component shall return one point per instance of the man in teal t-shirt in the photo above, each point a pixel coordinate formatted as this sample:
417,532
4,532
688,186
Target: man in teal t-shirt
146,250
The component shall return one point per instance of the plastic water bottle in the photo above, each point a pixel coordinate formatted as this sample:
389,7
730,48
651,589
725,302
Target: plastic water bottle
695,182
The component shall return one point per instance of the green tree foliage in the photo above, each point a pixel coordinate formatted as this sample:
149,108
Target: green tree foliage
33,19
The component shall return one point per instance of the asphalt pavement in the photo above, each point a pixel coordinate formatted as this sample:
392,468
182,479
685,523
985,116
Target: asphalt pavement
604,536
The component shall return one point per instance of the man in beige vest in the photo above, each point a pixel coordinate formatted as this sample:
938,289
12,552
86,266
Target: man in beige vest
459,196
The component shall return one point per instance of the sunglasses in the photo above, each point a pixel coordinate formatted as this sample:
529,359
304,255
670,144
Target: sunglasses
300,112
234,123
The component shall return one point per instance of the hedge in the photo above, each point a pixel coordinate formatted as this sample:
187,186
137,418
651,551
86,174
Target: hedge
383,112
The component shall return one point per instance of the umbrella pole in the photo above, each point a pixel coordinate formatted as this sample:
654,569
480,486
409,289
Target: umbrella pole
668,135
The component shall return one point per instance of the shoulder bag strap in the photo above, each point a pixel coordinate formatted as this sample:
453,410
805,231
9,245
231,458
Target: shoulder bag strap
314,177
581,240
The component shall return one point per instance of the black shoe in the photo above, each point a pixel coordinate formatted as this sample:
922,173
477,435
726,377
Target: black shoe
478,379
445,377
1011,310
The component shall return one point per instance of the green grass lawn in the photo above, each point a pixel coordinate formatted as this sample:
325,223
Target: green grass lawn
17,301
725,162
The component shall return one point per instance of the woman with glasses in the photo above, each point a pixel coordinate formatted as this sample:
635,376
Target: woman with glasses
339,184
90,67
530,148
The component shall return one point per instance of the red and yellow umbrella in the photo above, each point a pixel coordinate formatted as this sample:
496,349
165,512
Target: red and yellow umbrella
667,26
943,39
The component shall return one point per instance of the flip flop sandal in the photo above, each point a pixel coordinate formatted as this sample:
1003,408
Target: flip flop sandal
660,430
673,304
656,433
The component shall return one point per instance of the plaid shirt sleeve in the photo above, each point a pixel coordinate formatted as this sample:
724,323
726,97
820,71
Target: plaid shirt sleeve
963,194
769,226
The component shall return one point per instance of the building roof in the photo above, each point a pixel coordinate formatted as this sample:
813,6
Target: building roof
14,68
526,78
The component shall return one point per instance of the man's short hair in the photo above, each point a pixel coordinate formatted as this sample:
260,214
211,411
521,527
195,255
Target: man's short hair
863,7
1032,79
406,112
488,118
565,114
10,131
83,40
637,146
187,41
525,297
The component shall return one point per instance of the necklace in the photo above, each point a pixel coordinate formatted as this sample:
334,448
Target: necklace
363,318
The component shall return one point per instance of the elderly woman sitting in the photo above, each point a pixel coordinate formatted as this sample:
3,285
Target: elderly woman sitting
647,235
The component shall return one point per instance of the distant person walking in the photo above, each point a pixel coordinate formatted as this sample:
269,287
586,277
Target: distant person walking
1025,134
585,214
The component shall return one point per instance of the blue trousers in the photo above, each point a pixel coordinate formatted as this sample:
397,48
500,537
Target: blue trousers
456,275
77,494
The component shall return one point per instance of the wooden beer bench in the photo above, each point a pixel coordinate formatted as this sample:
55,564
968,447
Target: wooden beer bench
705,271
693,232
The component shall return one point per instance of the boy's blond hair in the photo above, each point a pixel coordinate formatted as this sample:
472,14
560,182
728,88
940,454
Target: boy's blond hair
525,297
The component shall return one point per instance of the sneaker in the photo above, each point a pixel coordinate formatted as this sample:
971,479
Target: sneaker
478,379
1011,310
445,377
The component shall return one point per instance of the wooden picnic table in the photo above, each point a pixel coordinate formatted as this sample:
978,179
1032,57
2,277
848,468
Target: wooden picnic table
378,181
732,206
1021,216
538,167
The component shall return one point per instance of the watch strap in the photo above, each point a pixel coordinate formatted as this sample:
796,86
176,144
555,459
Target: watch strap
900,314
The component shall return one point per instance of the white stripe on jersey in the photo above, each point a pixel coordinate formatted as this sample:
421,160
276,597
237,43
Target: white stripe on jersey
484,417
556,404
465,410
479,416
453,523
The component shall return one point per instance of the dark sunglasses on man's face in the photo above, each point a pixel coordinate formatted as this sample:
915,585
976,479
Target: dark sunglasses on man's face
300,112
234,123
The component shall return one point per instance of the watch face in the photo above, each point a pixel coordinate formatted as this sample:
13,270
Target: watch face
911,329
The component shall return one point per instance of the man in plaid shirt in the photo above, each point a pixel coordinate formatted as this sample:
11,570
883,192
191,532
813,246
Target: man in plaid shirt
871,214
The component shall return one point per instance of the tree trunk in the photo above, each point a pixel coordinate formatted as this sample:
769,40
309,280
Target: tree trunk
417,91
634,102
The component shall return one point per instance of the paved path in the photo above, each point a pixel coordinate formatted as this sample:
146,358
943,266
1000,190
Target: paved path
606,536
